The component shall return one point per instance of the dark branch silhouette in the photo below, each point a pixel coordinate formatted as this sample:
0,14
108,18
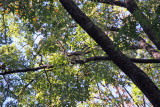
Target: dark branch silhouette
27,70
96,58
104,58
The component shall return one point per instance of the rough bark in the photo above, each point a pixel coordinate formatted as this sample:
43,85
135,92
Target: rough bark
141,80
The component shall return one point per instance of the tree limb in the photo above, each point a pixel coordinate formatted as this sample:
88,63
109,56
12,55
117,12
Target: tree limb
24,88
130,96
142,45
149,48
144,22
139,16
27,70
105,58
96,58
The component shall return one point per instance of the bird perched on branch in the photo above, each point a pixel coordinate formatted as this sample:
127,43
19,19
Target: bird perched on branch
77,55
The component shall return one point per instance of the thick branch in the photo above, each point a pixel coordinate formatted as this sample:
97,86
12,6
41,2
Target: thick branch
104,58
142,45
149,48
144,22
139,16
138,77
26,70
96,58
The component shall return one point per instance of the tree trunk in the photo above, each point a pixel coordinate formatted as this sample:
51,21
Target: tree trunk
142,81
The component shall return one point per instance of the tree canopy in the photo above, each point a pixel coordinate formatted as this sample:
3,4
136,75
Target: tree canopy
80,53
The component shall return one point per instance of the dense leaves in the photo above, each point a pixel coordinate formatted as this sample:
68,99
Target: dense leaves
40,33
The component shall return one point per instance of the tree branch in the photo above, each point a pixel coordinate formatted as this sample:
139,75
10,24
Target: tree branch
105,58
27,70
24,88
96,58
149,48
130,96
142,44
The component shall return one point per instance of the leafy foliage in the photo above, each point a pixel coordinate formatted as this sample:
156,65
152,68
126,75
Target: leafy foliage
35,33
